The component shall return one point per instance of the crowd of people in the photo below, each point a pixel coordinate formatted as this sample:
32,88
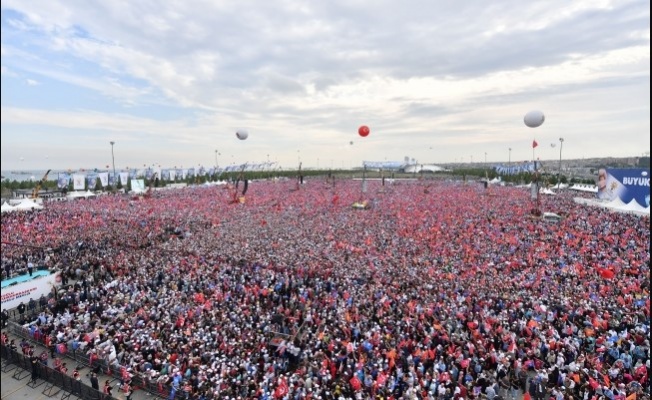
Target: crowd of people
438,290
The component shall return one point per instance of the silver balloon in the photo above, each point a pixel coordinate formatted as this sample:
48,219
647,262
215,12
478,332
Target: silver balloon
242,134
534,119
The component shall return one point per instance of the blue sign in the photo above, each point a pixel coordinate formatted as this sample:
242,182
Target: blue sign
63,180
626,184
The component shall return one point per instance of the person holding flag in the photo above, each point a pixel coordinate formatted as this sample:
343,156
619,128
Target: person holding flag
281,388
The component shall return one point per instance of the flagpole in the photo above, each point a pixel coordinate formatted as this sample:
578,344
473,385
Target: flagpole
535,181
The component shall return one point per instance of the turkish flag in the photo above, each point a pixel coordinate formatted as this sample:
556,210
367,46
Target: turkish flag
355,383
534,144
282,389
606,273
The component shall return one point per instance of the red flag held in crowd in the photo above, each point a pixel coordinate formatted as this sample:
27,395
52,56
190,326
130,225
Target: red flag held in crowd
606,273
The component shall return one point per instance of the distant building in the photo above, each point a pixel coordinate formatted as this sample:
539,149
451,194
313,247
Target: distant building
42,194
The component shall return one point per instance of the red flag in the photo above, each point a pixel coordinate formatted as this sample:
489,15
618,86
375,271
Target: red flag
534,144
355,383
594,384
606,273
282,389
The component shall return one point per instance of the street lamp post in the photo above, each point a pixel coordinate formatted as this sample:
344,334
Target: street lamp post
561,144
217,165
509,162
113,162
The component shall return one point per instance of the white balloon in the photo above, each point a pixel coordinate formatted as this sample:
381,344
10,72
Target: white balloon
534,119
242,134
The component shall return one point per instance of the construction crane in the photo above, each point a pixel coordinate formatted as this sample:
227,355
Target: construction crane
40,183
148,193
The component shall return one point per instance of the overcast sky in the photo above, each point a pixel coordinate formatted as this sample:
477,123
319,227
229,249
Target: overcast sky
439,81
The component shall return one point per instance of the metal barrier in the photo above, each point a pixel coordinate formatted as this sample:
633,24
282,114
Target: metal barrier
8,363
81,358
42,374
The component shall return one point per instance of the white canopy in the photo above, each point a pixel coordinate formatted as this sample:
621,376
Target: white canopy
616,205
633,206
6,207
77,195
28,205
585,188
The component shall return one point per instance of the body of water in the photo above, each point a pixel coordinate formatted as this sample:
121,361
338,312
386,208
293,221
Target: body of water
28,175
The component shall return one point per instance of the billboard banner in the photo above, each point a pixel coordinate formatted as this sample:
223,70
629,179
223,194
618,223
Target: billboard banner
124,177
137,185
78,182
626,184
91,181
104,178
33,288
63,180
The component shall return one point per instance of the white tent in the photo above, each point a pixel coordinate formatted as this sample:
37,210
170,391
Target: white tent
615,203
634,207
6,207
76,195
28,205
585,188
88,193
547,191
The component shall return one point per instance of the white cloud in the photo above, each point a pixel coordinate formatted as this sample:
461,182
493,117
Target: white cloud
450,74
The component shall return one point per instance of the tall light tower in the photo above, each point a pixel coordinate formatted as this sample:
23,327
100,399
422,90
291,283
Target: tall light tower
509,160
217,165
561,144
113,162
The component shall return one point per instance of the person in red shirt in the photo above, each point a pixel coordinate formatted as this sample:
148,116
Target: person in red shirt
107,387
127,389
461,393
57,364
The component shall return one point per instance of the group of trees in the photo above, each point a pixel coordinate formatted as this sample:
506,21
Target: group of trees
468,173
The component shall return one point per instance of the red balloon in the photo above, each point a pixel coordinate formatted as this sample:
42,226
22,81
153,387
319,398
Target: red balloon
363,130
